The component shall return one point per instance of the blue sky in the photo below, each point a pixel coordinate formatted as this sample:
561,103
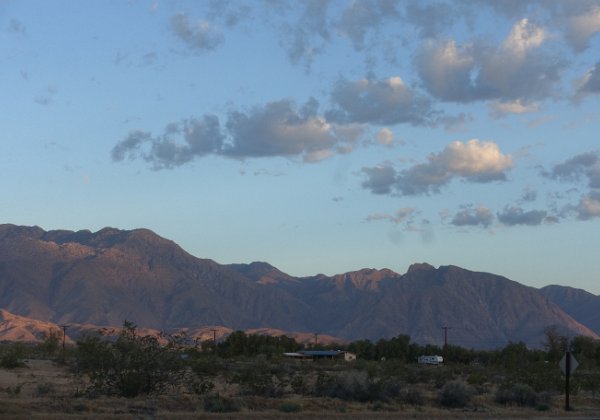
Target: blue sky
319,136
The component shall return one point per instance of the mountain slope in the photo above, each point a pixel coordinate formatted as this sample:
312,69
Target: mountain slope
106,277
579,304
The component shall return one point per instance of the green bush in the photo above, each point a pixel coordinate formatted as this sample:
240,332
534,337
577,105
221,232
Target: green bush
455,394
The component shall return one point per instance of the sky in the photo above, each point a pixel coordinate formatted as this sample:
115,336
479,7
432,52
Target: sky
319,136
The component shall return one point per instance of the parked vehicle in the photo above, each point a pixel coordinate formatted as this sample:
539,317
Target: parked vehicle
430,360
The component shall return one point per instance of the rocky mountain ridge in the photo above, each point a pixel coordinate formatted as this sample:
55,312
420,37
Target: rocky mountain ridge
109,276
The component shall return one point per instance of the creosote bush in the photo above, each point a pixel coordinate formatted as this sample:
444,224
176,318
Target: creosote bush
12,355
518,394
455,394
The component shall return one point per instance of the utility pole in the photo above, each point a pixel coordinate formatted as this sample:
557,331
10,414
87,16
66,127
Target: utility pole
214,330
316,335
64,328
446,328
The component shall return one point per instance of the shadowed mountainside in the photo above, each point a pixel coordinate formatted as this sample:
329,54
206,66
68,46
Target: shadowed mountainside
105,277
580,305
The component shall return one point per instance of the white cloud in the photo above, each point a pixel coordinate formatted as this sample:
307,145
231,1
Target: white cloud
279,129
446,70
276,129
473,161
523,38
501,109
388,101
515,70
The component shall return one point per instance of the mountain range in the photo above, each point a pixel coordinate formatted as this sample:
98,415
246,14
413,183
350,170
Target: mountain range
103,278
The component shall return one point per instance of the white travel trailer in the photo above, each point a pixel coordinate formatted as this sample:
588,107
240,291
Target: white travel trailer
430,360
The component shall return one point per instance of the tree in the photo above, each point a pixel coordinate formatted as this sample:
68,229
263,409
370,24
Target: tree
50,342
556,344
133,364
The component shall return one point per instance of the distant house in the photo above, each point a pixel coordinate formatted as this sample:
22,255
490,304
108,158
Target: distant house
430,360
322,354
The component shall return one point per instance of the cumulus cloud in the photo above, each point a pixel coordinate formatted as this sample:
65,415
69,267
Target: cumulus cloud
515,215
515,70
584,165
388,101
445,69
380,179
581,167
278,129
473,161
582,26
501,109
275,129
200,137
199,35
479,215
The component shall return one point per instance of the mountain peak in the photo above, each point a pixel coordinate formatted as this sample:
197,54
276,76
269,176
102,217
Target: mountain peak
420,267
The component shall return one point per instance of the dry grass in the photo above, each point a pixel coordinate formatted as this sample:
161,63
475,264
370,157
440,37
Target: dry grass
46,390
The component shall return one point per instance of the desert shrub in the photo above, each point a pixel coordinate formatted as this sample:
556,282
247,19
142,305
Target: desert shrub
14,391
257,379
356,385
519,394
203,365
298,384
290,407
12,355
198,386
455,394
50,343
412,396
218,404
132,365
